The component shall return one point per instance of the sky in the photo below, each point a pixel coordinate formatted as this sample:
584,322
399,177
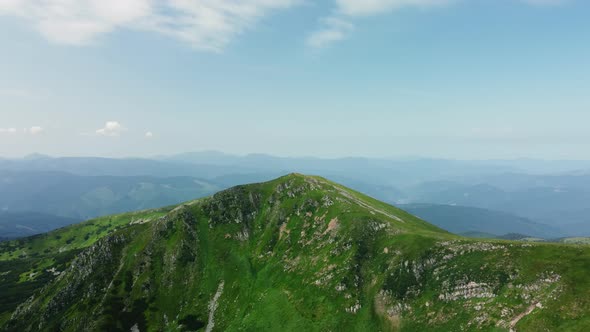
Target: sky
465,79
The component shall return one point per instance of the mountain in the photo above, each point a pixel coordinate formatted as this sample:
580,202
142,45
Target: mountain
554,201
514,187
462,219
579,228
296,253
381,171
208,165
82,197
95,166
14,225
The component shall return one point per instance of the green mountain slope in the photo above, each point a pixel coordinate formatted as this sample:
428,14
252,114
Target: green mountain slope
296,253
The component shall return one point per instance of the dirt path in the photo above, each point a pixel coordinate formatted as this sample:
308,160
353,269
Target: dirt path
213,306
516,319
367,206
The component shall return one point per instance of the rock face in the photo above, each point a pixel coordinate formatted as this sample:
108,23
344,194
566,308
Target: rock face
302,253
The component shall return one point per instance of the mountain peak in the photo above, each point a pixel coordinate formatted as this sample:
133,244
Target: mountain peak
295,253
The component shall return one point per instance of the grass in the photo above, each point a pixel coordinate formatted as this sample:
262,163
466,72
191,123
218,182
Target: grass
283,269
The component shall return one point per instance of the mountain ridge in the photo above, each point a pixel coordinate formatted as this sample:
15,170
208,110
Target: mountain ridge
298,252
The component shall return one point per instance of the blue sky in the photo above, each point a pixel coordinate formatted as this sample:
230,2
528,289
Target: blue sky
467,79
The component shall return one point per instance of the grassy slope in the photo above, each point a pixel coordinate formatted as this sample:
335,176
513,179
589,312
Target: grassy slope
301,253
24,263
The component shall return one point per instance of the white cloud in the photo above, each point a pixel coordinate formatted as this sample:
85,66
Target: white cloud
77,21
111,128
149,134
372,7
212,24
9,131
205,24
337,27
35,130
333,30
346,10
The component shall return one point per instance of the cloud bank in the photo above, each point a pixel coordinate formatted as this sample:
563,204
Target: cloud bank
8,131
205,24
34,130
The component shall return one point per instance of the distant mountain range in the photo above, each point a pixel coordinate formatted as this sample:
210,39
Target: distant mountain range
83,197
81,188
561,202
463,220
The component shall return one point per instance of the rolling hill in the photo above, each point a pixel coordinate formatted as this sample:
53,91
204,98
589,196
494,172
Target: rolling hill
550,200
21,224
296,253
83,197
